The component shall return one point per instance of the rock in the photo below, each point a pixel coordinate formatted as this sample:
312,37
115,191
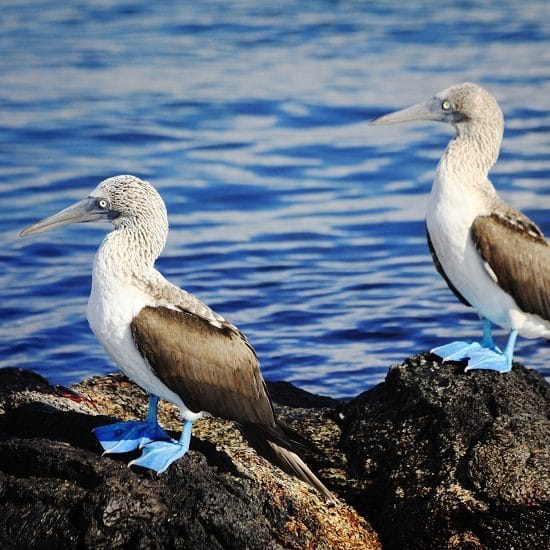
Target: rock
57,491
447,459
433,458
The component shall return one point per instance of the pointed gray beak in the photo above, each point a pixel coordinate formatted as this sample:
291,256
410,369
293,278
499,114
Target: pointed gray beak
86,210
427,110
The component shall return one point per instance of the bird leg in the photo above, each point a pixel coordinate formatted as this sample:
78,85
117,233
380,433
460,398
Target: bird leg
158,455
123,437
488,341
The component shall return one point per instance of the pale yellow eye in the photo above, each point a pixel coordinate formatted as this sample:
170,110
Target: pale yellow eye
102,203
446,105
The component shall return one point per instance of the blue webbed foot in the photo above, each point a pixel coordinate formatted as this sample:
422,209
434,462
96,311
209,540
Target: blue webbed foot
123,437
490,360
455,351
158,455
484,355
458,351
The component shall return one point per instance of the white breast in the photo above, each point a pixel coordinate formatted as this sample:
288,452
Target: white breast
452,208
112,305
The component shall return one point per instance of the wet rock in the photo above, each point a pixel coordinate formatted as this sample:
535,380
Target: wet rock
441,458
57,491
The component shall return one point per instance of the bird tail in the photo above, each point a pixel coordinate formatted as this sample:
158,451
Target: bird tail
279,444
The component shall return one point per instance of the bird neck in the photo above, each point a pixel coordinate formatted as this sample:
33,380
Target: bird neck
130,250
473,151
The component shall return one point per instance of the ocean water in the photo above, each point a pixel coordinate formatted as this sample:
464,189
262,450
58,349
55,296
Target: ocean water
289,214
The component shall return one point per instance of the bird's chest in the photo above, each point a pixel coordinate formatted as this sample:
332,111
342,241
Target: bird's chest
114,302
111,308
451,212
452,209
449,218
112,305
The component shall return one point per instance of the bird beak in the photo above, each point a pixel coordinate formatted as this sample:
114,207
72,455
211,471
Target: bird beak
427,110
84,211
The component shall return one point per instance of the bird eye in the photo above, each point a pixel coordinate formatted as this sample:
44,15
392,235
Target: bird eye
446,105
102,203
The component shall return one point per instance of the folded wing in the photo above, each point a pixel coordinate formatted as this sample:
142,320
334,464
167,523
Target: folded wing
518,256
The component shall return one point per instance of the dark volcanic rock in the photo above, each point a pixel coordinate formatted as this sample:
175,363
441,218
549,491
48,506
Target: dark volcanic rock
447,459
433,458
57,491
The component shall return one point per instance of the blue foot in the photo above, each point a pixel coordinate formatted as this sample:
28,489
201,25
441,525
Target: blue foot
494,359
123,437
484,355
490,360
455,351
458,351
158,455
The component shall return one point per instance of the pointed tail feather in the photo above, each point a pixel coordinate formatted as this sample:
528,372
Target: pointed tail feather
273,444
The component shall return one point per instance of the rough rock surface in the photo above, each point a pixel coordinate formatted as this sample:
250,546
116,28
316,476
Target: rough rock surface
57,491
433,458
448,459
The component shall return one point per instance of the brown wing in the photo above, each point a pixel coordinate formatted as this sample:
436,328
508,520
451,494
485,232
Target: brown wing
212,368
519,256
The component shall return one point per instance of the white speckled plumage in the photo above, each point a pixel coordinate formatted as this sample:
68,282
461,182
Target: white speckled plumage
124,280
166,340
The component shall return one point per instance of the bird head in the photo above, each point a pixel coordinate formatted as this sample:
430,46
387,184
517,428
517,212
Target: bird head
121,200
458,105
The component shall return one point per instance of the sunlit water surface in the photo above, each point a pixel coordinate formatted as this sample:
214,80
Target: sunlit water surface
290,215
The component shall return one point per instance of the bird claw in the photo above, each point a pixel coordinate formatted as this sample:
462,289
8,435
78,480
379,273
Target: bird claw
158,455
123,437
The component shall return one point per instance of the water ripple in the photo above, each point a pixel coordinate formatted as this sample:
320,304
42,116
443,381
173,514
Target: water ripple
289,213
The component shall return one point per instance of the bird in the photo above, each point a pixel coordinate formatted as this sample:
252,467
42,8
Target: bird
168,341
492,256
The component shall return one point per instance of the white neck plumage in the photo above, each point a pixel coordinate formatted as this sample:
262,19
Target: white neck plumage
130,250
473,151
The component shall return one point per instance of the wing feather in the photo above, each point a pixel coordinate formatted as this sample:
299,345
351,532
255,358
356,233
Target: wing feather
518,256
212,367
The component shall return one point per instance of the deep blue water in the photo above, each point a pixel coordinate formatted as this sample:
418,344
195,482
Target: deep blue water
289,214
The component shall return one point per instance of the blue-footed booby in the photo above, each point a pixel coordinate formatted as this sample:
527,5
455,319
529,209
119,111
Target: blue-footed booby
491,256
166,340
